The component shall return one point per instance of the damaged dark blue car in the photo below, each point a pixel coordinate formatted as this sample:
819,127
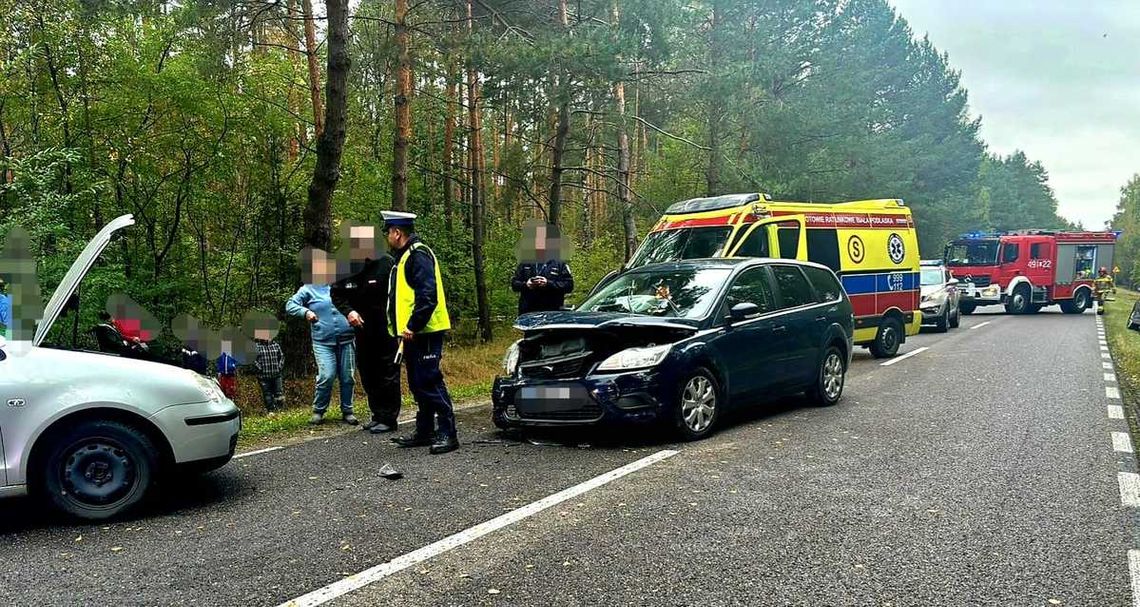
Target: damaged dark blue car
680,343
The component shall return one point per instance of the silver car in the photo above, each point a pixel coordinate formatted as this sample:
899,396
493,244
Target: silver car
90,433
940,296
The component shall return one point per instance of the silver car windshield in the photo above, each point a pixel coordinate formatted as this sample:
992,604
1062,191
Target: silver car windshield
932,277
685,293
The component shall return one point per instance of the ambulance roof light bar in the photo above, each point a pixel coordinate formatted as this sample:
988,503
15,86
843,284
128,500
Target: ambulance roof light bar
715,203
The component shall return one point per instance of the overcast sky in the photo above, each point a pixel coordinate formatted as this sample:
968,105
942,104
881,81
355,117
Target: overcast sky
1059,79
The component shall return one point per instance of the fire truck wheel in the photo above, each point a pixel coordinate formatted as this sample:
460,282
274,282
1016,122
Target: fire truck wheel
1019,301
1078,304
887,342
956,318
967,308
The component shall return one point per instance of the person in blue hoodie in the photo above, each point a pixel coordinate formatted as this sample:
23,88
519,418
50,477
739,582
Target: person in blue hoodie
334,342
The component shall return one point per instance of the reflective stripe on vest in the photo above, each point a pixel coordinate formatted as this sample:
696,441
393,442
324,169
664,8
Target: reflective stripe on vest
406,297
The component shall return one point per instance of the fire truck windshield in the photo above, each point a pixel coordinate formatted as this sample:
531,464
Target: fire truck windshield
972,253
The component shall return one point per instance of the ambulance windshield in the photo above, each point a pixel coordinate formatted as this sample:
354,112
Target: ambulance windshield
683,243
972,253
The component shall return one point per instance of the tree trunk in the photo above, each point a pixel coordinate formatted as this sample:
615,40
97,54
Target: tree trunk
715,103
449,194
477,190
562,93
314,69
403,110
300,132
625,198
330,144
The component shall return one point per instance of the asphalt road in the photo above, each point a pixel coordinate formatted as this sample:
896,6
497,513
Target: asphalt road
979,471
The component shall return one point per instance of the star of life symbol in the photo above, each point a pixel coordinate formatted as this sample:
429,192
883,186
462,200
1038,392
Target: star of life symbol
896,249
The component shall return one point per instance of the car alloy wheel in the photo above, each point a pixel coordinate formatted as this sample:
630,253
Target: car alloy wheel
698,404
832,376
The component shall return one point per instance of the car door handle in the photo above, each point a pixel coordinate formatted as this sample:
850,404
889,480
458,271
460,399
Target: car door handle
780,329
821,318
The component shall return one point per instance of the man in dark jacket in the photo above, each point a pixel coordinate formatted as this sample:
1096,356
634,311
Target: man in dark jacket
362,298
542,279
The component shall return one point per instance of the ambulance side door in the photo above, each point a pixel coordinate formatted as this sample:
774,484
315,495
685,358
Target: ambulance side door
762,239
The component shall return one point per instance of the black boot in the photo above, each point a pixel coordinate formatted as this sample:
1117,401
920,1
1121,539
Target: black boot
414,440
444,443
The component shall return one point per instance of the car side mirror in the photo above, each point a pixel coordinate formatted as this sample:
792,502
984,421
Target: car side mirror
744,311
953,282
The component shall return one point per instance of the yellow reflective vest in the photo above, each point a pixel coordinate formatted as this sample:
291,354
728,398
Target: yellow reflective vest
406,297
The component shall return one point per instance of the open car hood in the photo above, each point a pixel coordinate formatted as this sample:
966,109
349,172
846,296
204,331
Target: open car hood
565,319
76,273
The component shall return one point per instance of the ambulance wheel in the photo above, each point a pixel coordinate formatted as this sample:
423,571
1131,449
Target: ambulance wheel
1019,301
888,340
956,318
967,308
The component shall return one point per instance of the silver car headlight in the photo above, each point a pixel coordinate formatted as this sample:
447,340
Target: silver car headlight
934,298
636,358
210,389
511,360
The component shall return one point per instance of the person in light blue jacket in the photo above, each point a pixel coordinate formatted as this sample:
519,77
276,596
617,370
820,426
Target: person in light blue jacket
334,342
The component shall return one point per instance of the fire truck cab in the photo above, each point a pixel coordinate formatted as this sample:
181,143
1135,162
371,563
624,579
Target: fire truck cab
1029,269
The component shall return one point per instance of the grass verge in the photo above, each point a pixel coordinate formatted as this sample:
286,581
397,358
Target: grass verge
1125,348
469,369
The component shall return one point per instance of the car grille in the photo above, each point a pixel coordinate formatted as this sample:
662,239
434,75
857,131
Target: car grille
584,412
574,367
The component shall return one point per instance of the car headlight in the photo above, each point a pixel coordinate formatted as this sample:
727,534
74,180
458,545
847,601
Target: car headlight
511,360
636,358
991,291
210,389
937,298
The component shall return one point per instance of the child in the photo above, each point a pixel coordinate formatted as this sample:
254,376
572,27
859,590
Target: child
269,362
227,375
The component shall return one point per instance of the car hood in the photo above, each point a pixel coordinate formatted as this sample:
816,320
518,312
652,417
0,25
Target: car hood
930,290
566,319
150,385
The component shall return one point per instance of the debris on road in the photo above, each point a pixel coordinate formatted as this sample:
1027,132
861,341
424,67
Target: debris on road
390,473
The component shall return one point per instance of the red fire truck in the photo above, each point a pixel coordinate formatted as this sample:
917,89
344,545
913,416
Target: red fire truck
1030,269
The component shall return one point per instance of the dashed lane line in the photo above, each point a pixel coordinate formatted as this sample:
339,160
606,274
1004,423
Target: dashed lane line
379,572
1129,488
1121,442
1106,355
1115,412
980,325
1107,366
904,357
1110,377
1134,571
1112,392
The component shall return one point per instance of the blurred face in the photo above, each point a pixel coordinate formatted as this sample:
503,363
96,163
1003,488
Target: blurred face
362,243
320,269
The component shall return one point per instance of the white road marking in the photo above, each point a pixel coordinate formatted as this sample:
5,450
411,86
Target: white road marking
1121,442
379,572
258,452
1129,488
1106,355
1107,366
904,357
1134,570
1104,348
1115,412
1110,377
1112,392
980,325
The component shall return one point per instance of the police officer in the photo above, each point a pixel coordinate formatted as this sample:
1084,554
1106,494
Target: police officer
362,298
541,279
417,315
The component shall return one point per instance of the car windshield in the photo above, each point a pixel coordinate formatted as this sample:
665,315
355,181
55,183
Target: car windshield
680,244
685,293
931,276
972,253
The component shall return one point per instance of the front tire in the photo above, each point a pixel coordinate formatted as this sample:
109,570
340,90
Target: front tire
1019,301
967,308
888,340
956,319
98,469
830,379
698,405
943,323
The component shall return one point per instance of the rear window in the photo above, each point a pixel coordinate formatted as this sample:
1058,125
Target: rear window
826,286
794,288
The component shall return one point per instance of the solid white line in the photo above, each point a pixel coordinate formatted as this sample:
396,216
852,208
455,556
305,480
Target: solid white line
1112,392
1134,570
379,572
904,357
1110,377
1115,412
980,325
258,452
1129,488
1121,442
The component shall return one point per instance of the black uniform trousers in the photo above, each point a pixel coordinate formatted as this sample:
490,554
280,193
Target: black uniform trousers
380,374
422,356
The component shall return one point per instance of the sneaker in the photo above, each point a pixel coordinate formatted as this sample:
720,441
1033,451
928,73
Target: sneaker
414,440
379,428
350,419
370,424
444,444
316,419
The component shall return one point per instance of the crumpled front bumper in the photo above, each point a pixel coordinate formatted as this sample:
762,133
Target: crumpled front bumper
637,396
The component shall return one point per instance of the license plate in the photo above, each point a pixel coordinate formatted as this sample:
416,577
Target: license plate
546,393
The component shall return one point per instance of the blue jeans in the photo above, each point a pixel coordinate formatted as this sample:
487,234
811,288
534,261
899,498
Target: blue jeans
334,361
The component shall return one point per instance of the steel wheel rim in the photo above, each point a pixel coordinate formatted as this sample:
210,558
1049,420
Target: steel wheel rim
1018,301
832,376
98,473
1082,301
889,338
698,403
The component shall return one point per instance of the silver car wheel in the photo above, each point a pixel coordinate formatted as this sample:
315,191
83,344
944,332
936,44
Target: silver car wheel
698,403
832,376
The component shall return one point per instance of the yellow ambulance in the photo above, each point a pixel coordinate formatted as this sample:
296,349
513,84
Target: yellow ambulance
870,244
